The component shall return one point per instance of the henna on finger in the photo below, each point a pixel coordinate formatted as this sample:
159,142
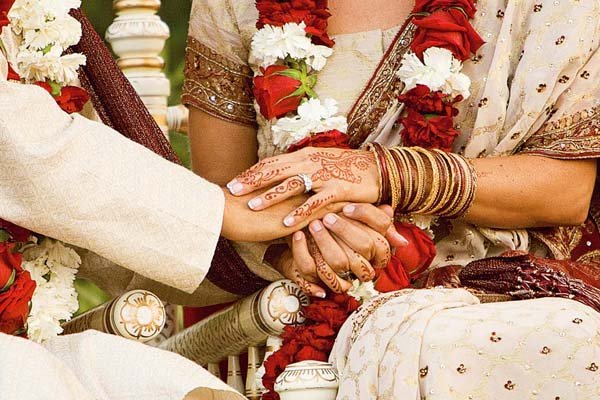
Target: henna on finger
289,188
324,271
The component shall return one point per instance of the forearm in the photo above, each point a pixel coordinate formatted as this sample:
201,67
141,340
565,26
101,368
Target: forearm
524,191
220,150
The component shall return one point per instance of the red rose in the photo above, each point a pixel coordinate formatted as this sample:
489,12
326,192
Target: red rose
420,251
468,6
408,261
5,6
71,98
10,261
430,132
12,75
276,93
16,233
423,100
393,277
310,353
332,138
314,13
449,29
14,304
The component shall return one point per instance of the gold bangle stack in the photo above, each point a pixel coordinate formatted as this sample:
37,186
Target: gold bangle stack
425,182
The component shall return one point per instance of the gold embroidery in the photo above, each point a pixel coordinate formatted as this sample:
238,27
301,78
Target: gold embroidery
217,85
381,92
561,240
573,136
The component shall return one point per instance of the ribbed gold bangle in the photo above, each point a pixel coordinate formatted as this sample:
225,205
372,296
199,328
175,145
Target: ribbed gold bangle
445,163
421,179
471,180
464,198
394,178
407,176
453,183
371,148
434,190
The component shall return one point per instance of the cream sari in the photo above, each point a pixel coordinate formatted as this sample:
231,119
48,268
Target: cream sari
535,90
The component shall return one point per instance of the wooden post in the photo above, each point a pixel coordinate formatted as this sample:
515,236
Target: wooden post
138,36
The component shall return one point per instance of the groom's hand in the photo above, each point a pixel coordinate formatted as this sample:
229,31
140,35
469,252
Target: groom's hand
240,223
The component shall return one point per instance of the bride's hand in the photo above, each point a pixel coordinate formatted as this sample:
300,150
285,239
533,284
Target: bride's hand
242,224
337,175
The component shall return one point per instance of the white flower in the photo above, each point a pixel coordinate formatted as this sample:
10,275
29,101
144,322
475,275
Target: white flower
61,32
34,14
317,56
314,116
363,291
53,268
439,71
37,66
273,43
11,43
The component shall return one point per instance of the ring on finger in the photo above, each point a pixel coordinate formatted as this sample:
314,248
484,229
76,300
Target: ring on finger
308,183
346,275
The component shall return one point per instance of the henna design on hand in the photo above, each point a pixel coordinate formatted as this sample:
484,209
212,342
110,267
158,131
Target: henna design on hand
341,166
388,253
256,175
300,281
306,210
323,270
366,273
292,185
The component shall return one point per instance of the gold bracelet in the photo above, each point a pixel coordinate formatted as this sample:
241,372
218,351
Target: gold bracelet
435,187
394,178
421,179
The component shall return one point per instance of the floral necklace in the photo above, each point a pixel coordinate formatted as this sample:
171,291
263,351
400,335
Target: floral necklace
37,275
289,49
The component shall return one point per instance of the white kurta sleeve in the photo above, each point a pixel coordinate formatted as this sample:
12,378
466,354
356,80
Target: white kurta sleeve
83,183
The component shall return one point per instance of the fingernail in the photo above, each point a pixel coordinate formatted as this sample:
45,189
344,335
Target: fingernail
349,209
255,203
298,236
316,226
330,219
398,239
289,221
321,295
235,187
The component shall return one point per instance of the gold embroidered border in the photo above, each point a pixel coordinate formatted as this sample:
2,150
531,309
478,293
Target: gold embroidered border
217,85
573,136
381,91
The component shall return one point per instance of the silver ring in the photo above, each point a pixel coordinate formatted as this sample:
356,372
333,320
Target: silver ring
346,275
308,183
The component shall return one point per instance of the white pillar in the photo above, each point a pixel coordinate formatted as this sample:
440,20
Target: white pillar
138,36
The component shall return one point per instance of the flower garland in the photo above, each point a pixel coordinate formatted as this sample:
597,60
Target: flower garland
289,48
285,49
36,284
36,275
35,36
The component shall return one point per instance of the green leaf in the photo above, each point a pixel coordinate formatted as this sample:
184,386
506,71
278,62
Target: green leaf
4,236
291,73
56,89
47,49
11,280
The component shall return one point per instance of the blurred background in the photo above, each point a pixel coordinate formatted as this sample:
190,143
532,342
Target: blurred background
176,14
